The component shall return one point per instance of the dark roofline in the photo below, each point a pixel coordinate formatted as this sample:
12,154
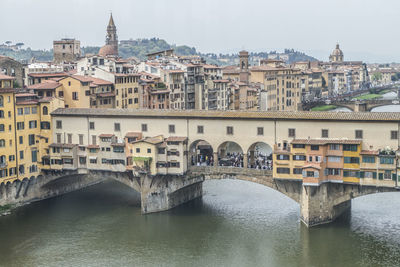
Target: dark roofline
232,115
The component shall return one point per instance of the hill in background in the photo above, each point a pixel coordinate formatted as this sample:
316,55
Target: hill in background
140,47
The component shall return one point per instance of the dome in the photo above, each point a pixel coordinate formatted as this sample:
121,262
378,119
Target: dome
107,50
337,51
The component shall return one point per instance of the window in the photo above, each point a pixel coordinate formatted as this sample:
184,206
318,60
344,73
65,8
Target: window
334,159
69,138
283,170
394,135
34,155
332,171
161,150
74,95
117,127
27,110
1,101
31,139
292,132
45,110
352,160
21,154
20,125
368,159
359,134
297,171
299,145
32,124
314,147
1,127
171,128
91,125
2,143
82,160
34,110
229,130
144,127
200,129
334,147
351,174
81,139
386,160
350,148
58,124
20,111
93,160
299,157
58,138
282,157
260,130
87,93
2,114
324,133
137,150
149,150
60,94
94,140
21,140
45,125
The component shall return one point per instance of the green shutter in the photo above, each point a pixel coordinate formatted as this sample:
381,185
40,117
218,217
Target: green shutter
393,176
381,176
374,175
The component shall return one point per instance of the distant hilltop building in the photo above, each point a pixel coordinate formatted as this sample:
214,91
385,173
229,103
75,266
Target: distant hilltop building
66,50
111,46
336,55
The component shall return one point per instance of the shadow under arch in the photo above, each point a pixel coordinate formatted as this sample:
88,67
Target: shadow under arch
259,156
230,153
201,153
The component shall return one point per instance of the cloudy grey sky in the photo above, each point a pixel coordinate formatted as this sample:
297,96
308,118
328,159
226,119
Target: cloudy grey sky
366,29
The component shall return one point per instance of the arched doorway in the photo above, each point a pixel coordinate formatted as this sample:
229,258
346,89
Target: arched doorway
230,154
259,156
201,154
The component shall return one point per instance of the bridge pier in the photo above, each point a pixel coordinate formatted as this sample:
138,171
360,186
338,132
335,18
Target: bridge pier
164,192
322,204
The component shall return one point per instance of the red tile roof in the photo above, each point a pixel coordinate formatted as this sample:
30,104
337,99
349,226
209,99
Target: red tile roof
44,75
176,139
106,135
45,85
6,77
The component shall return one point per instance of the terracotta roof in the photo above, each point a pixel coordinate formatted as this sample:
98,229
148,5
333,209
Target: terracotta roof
6,77
151,140
126,74
44,75
7,90
325,141
45,85
117,144
221,81
45,99
312,166
27,102
233,114
93,146
176,139
106,135
134,134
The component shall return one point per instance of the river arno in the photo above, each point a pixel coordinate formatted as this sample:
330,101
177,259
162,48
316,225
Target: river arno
236,223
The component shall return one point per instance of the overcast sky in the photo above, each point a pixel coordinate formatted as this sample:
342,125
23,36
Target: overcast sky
366,29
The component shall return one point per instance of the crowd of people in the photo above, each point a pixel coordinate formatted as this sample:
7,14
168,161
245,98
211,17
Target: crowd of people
261,161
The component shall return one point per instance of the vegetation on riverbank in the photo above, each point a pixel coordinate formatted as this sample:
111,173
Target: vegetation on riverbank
323,108
5,208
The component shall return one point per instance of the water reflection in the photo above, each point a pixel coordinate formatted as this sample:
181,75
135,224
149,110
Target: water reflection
236,223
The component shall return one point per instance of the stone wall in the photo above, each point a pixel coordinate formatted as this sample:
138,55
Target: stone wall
8,64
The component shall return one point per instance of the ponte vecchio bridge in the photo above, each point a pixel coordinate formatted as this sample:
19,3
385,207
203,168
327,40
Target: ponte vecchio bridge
222,130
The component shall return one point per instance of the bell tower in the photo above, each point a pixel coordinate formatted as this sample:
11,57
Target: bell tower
112,38
244,66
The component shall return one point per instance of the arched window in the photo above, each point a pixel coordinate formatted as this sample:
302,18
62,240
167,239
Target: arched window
45,111
1,101
1,114
2,143
1,127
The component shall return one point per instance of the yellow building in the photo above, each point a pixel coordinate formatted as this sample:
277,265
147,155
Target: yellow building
127,93
75,91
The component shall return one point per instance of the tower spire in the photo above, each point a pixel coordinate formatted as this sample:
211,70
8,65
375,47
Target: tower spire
111,22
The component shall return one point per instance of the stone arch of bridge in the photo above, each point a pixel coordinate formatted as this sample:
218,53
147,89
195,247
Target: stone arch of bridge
259,155
201,153
230,154
371,107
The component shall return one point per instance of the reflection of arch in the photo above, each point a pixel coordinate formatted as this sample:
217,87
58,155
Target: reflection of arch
259,156
201,153
230,154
